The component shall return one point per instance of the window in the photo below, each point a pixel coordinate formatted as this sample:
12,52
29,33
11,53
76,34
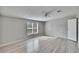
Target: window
32,28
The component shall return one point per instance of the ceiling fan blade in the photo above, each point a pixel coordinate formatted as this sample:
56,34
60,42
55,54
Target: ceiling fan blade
47,13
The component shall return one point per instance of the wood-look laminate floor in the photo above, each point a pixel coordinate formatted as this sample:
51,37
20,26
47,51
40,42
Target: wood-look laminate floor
54,45
42,44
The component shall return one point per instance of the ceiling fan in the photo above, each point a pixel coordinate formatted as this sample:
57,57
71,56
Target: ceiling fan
51,11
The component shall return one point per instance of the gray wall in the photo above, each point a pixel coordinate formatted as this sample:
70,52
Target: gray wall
0,30
13,29
57,27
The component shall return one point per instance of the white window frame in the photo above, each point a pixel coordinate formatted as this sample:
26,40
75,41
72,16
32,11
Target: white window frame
37,27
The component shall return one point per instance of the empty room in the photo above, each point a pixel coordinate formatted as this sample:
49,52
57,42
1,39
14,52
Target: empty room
39,29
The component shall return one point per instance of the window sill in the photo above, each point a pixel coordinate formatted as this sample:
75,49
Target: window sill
32,34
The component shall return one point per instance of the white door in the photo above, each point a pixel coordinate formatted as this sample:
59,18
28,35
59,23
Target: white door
72,29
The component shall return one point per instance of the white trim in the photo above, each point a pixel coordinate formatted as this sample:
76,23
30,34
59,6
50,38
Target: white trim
32,27
37,27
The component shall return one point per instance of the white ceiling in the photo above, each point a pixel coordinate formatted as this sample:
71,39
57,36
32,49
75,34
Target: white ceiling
37,12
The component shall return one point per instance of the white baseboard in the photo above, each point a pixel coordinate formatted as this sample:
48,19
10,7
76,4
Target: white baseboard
13,42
